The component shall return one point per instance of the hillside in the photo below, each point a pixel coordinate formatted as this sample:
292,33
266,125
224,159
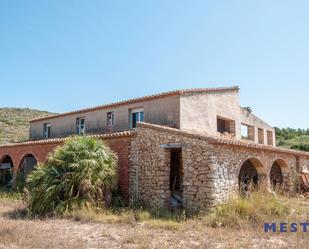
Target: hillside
14,125
297,139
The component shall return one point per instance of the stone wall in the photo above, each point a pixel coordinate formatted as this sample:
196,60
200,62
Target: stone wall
211,167
149,176
229,159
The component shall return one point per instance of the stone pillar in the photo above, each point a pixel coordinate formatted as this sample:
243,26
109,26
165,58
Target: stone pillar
263,181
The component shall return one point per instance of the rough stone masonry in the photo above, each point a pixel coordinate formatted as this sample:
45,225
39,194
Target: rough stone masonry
211,166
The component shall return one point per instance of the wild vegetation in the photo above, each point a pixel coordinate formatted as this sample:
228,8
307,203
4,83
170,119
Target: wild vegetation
256,208
14,125
297,139
79,174
236,224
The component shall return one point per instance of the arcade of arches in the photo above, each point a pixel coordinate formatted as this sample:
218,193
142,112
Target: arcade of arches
249,175
20,159
26,165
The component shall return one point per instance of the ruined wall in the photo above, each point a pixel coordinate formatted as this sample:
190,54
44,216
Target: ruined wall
199,112
302,164
252,120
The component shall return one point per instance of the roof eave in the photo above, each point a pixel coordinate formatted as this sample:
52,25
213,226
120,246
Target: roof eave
140,99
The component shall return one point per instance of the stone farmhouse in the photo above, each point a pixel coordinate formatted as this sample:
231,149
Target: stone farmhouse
190,147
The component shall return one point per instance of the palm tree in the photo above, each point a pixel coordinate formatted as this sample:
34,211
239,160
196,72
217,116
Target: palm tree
80,173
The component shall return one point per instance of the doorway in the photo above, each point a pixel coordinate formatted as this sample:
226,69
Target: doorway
176,177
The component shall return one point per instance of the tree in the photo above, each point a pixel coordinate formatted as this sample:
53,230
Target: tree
78,174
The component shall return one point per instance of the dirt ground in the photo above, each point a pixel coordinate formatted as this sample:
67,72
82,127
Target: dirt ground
17,233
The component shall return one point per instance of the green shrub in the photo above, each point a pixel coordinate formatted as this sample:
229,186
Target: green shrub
259,207
79,174
304,147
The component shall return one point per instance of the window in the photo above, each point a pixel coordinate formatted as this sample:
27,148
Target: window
225,125
270,138
110,119
247,132
46,130
80,126
137,115
261,136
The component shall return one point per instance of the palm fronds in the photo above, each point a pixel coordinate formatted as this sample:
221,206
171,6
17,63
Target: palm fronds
78,174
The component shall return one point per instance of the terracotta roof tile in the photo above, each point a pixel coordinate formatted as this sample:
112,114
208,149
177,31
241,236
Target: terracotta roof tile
140,99
60,140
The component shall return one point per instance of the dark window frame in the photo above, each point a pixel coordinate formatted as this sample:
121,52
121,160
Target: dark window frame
46,130
80,126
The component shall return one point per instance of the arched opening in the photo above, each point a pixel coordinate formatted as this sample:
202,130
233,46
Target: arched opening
27,165
6,171
249,175
277,174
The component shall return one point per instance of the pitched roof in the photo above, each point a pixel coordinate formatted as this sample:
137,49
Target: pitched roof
60,140
145,98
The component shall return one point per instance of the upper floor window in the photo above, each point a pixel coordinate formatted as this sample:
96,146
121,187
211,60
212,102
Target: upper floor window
261,136
137,115
270,138
247,132
225,125
110,119
80,126
46,130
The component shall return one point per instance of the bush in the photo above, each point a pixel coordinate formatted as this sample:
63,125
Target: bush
303,147
81,173
260,206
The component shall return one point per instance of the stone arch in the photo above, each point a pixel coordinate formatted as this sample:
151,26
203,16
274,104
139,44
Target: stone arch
279,174
6,171
27,164
251,174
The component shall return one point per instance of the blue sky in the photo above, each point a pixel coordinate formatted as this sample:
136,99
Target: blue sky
63,55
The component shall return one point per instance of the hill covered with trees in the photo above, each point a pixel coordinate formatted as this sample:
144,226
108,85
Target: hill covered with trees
297,139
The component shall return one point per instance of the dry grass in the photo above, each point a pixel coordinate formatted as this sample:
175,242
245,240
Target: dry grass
139,229
255,209
125,216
